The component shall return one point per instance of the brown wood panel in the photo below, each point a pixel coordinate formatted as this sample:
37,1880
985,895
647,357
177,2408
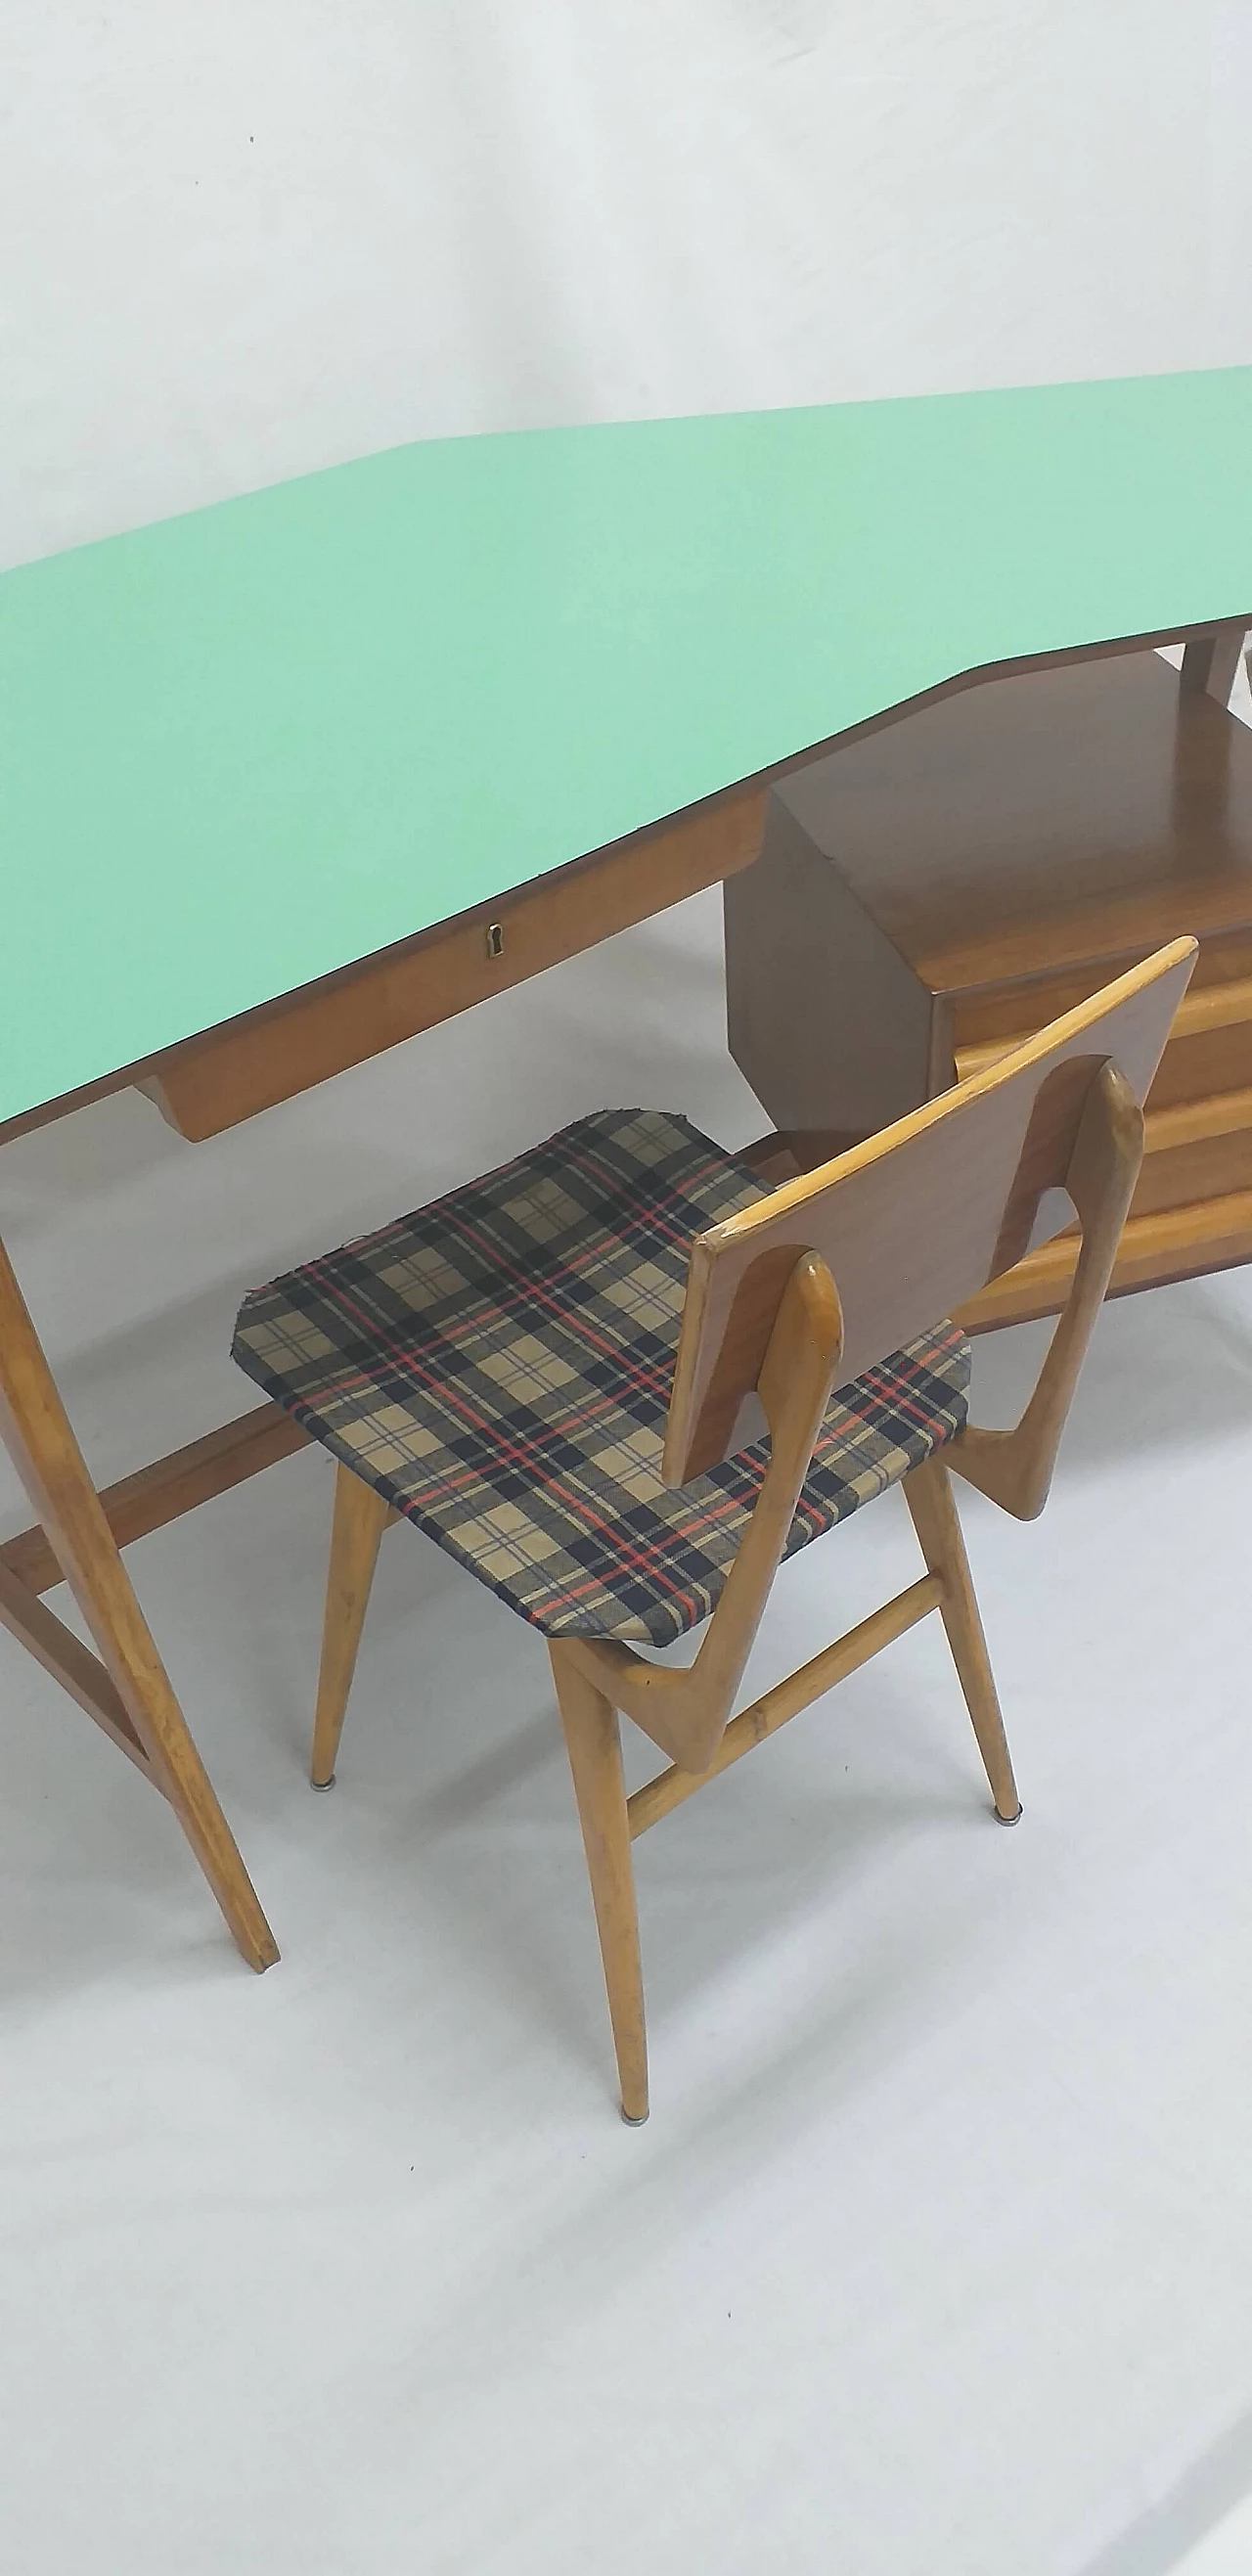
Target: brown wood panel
796,937
1192,1122
1222,961
983,1024
1027,826
1014,1011
1218,1010
763,1718
249,1064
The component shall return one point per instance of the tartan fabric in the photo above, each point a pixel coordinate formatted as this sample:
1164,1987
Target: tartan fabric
498,1366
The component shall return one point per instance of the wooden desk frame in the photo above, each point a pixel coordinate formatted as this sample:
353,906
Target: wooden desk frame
215,1080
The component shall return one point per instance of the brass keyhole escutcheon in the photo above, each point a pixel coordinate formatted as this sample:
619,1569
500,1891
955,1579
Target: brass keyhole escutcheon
495,939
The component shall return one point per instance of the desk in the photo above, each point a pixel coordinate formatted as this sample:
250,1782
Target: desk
286,780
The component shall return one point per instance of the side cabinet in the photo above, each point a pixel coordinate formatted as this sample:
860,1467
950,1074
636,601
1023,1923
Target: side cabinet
934,893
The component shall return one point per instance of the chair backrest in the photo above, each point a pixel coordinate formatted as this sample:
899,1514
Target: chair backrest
914,1221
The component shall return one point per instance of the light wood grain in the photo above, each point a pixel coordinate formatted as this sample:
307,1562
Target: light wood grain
1212,1166
73,1665
1176,1243
778,1706
1202,1065
684,1711
593,1742
1066,1117
928,1493
1200,1014
360,1517
687,1712
36,1432
1015,1467
1112,814
172,1485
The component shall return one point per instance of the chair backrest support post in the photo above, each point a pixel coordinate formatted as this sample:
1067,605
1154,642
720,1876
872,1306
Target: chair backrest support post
684,1709
1015,1467
912,1223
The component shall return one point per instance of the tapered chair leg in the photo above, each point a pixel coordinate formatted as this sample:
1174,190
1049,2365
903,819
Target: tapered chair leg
360,1517
594,1743
928,1493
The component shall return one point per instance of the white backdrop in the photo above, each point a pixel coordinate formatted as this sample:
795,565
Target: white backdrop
241,238
952,2121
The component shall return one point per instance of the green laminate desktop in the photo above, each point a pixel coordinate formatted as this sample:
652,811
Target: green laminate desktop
248,746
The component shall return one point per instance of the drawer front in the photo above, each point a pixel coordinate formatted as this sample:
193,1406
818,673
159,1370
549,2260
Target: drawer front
1209,1169
1210,1046
1206,1061
1018,1011
1173,1244
214,1081
1206,1054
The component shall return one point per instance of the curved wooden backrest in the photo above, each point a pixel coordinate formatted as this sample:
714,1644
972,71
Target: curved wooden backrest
916,1220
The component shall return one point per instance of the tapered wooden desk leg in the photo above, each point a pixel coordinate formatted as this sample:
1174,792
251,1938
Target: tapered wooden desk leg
36,1432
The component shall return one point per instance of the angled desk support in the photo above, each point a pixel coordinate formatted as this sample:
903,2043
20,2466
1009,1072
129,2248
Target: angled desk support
127,1691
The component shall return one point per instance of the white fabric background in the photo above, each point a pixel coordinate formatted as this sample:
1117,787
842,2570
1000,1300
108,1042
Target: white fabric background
243,239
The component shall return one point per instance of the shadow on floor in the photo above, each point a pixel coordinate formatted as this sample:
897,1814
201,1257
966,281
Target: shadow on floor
1212,2489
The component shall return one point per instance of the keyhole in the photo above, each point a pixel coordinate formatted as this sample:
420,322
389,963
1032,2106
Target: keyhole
495,939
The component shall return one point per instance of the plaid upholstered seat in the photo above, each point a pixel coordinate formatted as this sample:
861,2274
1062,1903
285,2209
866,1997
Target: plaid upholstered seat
498,1367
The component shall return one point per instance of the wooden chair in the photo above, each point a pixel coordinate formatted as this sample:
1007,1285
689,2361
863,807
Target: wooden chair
563,1373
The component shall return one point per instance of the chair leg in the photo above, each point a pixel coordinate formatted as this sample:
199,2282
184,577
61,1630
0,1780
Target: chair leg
360,1518
593,1741
928,1493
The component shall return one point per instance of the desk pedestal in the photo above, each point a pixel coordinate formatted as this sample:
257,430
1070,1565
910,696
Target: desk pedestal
929,897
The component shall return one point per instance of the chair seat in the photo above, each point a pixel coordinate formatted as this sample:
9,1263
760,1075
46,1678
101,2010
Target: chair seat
498,1365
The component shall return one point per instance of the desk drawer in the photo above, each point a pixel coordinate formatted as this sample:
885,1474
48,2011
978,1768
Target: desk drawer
1199,1150
249,1064
1210,1047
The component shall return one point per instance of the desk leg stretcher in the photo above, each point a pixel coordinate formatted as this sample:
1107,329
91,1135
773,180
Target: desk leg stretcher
125,1688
